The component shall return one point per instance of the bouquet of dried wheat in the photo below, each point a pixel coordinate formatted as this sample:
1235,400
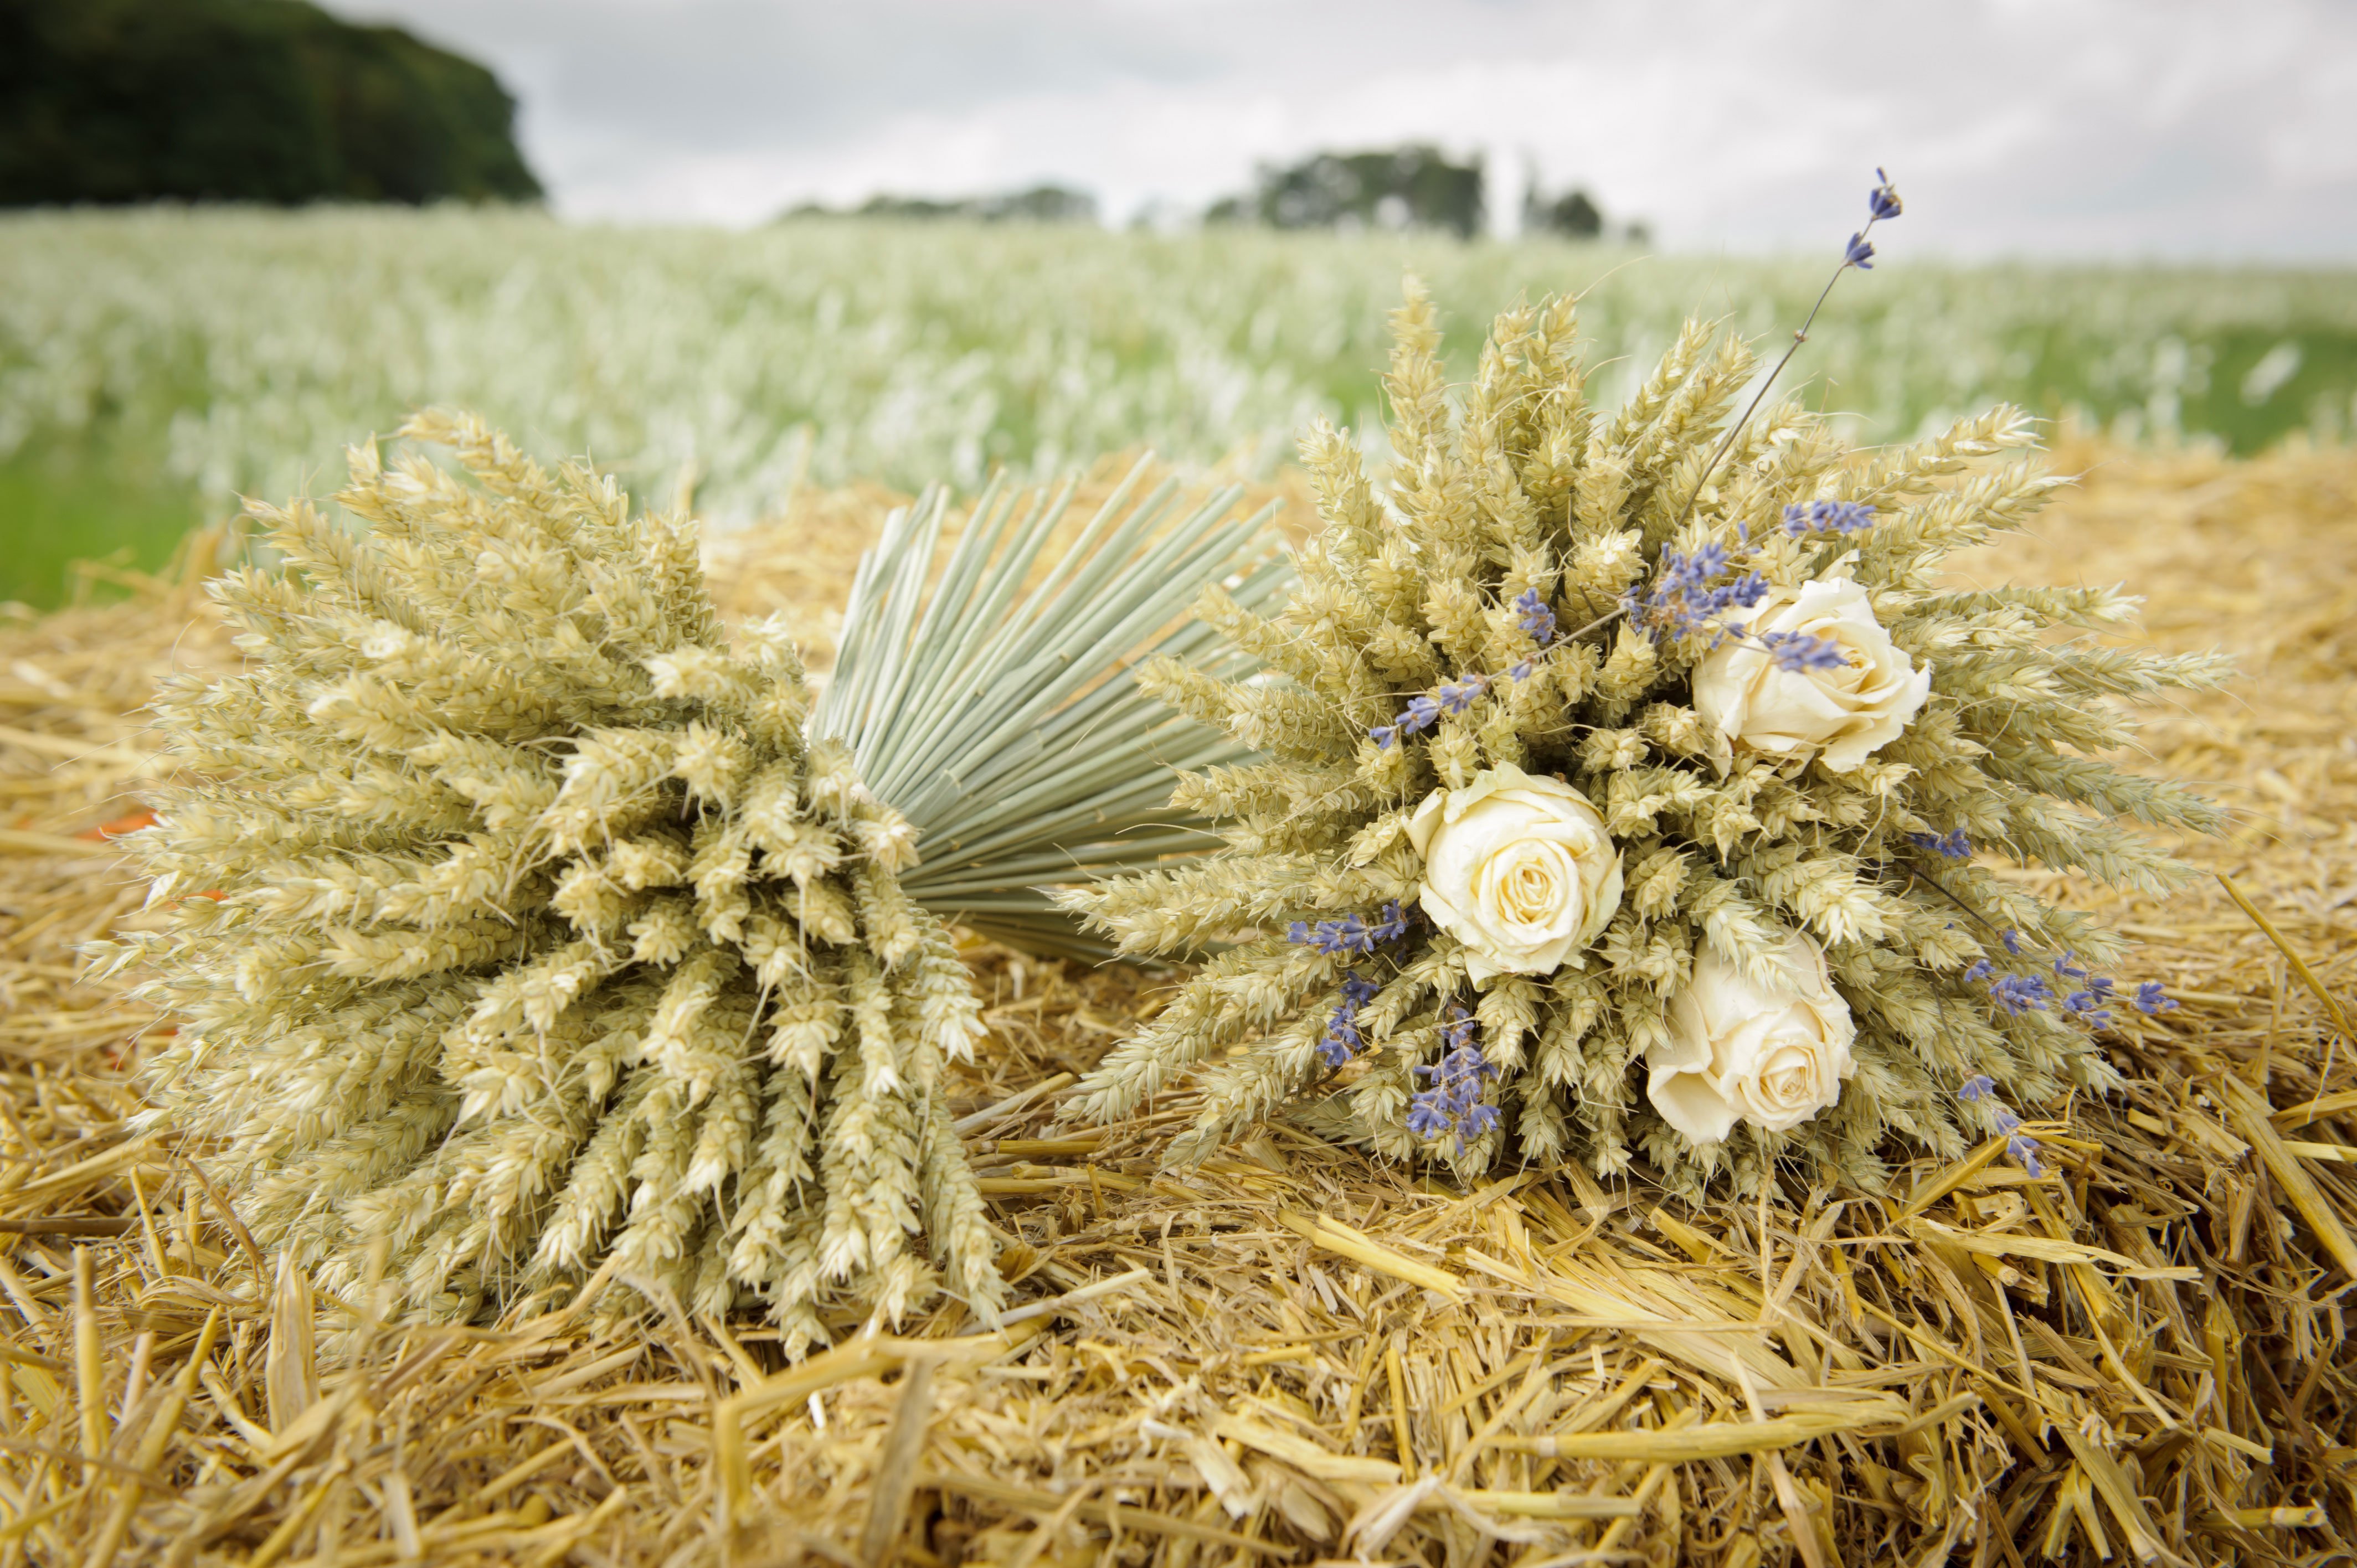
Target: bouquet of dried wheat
526,929
1623,778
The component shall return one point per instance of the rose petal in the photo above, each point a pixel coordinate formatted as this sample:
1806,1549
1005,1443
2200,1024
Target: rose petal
1688,1102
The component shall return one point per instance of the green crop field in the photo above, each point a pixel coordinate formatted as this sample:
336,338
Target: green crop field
154,363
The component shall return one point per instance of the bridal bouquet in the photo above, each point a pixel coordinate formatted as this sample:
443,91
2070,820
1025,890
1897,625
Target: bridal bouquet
1630,781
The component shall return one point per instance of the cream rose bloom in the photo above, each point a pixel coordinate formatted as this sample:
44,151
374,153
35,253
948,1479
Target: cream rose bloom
1771,1055
1847,714
1517,868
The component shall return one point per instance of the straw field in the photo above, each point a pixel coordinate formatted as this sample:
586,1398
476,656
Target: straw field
1290,1353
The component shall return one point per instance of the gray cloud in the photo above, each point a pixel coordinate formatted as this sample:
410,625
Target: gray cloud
2163,127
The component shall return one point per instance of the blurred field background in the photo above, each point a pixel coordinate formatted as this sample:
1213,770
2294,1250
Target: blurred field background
155,363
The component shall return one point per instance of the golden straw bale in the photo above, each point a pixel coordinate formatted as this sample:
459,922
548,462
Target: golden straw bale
1292,1352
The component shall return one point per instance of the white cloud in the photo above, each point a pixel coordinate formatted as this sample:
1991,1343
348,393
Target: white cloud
2166,127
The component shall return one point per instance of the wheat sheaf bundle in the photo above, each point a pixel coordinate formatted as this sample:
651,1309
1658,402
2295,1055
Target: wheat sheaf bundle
1534,612
524,927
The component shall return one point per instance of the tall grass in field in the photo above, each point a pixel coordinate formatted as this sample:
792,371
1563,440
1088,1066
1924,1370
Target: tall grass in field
229,350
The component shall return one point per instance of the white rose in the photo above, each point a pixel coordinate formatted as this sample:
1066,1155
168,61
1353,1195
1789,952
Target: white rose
1519,869
1771,1055
1848,712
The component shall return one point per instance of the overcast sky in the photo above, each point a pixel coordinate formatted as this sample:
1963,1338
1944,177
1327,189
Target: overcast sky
2223,128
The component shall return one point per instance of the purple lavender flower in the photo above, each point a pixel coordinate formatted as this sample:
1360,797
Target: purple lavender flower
2091,1004
1682,601
2088,1002
1535,619
1980,1087
1350,933
1424,709
1798,651
1342,1041
2020,993
1457,696
1426,1116
1347,934
1953,844
1453,1102
1827,517
1421,714
1883,201
1693,571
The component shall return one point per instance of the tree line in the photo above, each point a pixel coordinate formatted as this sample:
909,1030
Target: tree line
1412,186
263,101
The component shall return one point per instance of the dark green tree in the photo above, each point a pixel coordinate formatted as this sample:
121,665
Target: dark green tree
271,100
1572,214
1413,186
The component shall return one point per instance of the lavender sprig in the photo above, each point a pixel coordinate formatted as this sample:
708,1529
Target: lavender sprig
1881,203
1800,651
1453,1103
2019,1144
1342,1041
2020,993
2016,994
1536,619
1350,933
1686,600
1424,709
2090,1003
1827,517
